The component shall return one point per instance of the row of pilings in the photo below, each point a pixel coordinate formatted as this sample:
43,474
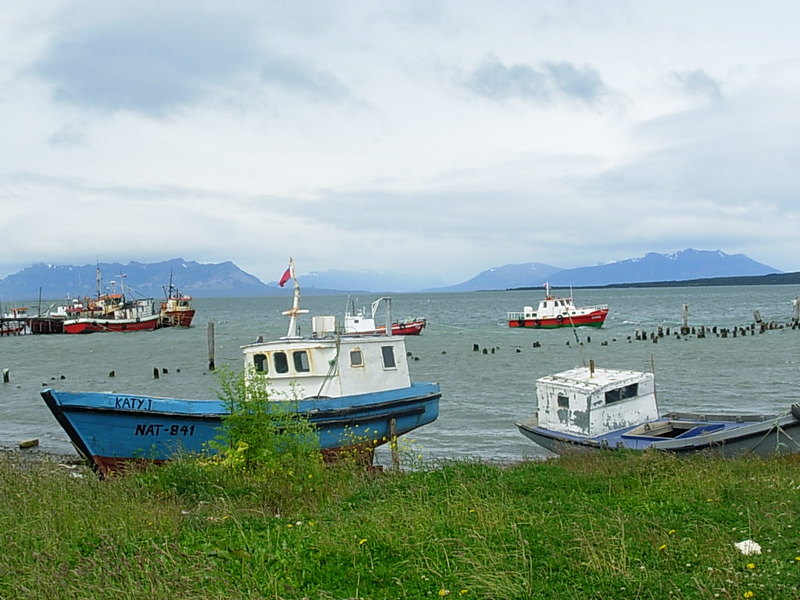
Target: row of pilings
679,332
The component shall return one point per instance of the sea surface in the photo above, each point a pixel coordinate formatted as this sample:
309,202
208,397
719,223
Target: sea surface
484,391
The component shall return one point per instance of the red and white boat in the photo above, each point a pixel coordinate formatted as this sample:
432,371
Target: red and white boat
357,323
555,312
110,312
92,325
136,315
176,310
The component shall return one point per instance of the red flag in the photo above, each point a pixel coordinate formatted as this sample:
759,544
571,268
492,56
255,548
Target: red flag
287,275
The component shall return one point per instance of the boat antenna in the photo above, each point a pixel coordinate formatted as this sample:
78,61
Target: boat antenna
295,310
98,279
575,333
653,369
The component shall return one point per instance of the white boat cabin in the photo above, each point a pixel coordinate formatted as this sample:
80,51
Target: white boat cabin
328,364
357,321
589,402
550,307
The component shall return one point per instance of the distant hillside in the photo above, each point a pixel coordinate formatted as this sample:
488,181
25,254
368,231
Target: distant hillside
771,279
145,279
683,265
507,276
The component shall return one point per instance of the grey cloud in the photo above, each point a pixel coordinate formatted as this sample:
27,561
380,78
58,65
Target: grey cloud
67,137
148,62
294,77
495,80
551,82
581,83
697,83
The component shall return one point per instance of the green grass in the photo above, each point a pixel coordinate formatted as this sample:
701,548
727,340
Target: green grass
600,526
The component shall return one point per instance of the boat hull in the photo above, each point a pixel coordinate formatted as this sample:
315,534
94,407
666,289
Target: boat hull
728,435
404,328
90,325
112,430
176,318
592,319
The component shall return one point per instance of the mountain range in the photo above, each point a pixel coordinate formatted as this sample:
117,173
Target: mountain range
652,267
227,280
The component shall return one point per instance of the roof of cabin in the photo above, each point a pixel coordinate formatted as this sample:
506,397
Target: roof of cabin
588,382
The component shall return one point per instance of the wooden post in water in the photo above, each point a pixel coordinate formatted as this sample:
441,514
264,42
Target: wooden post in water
685,326
393,443
6,376
211,365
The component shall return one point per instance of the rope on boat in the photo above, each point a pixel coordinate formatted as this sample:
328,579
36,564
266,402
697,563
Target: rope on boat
778,431
332,366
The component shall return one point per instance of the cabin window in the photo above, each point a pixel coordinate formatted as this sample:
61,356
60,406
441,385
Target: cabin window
628,391
563,401
260,363
388,357
281,362
356,358
301,361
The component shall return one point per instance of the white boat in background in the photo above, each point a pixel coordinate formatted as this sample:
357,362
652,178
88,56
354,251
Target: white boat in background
554,312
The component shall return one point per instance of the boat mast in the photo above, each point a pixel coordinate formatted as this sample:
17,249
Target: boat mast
295,310
98,280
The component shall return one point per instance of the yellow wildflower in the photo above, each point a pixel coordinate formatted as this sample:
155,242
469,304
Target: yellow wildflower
662,547
444,592
671,531
362,541
749,594
751,565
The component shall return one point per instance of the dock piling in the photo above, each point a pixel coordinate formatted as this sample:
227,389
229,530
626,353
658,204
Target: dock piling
211,365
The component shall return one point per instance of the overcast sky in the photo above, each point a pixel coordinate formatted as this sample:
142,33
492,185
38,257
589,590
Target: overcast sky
417,136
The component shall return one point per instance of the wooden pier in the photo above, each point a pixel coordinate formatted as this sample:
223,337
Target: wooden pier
30,325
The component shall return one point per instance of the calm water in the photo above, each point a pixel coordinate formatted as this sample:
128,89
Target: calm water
482,394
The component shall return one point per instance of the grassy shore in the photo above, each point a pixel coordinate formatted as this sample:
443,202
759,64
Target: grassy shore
608,525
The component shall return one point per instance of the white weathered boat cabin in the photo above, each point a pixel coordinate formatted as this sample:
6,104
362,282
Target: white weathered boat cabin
589,402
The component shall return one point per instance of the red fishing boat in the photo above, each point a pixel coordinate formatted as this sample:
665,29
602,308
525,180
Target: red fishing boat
110,312
558,312
95,324
176,309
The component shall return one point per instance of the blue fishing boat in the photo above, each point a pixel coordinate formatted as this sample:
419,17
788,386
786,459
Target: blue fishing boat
590,409
355,389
